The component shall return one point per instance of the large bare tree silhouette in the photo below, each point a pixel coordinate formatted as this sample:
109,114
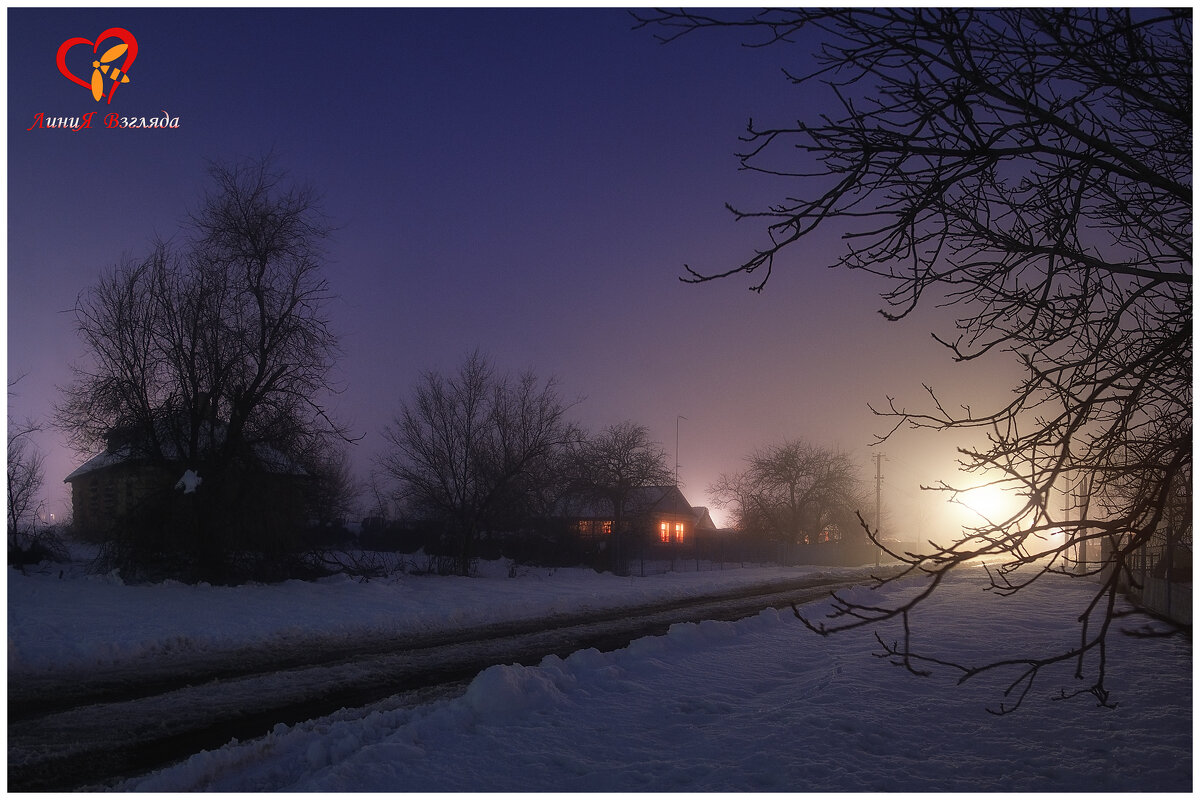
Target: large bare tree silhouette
1031,169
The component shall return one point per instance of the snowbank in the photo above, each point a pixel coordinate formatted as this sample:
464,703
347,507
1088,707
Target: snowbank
756,705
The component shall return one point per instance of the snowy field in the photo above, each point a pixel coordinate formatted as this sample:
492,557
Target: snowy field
82,621
756,705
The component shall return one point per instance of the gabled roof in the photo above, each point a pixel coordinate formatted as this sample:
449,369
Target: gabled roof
102,461
641,500
272,460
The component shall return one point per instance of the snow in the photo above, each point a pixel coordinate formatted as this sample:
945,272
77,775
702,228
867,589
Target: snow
189,482
761,704
88,621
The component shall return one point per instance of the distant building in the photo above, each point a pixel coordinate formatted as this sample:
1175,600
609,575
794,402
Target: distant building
659,514
115,483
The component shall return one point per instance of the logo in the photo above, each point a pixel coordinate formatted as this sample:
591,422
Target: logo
103,66
110,69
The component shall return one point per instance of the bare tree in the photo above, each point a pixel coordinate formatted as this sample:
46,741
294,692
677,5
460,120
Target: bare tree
466,449
333,493
552,479
28,542
215,352
25,476
1032,169
379,497
732,490
793,492
610,466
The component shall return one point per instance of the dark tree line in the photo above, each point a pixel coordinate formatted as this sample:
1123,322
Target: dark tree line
794,492
1030,168
481,451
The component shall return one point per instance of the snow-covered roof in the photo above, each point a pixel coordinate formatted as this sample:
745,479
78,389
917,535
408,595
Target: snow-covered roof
271,459
94,463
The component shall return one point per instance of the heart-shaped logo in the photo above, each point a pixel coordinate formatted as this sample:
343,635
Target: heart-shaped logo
103,66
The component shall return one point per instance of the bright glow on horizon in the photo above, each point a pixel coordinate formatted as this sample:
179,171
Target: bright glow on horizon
991,503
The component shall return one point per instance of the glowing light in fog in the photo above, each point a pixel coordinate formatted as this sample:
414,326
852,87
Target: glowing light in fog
990,502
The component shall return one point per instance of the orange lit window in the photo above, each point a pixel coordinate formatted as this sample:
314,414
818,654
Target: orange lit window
664,531
589,528
679,531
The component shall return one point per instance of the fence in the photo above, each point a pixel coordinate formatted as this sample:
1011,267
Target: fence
719,550
1162,570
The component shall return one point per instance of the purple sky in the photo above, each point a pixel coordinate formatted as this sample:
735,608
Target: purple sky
526,182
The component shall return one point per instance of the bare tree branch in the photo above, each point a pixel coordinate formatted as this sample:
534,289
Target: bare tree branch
1031,169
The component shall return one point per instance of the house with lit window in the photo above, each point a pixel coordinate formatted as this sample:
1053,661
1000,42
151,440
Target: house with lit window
651,514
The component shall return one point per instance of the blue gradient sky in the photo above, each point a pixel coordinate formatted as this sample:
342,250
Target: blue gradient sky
528,182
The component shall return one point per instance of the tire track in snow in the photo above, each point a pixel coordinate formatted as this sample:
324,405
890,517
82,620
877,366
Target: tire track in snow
71,732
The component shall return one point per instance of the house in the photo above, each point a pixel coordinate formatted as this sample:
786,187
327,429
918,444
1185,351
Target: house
657,514
703,520
111,485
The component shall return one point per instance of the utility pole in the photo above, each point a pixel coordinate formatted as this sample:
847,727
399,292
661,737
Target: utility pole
878,493
677,418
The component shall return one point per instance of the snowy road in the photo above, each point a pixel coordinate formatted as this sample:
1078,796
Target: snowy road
68,731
